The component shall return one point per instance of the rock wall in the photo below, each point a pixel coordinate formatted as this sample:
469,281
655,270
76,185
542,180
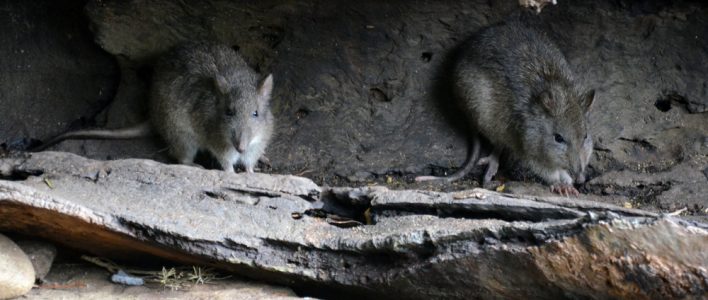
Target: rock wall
361,89
53,77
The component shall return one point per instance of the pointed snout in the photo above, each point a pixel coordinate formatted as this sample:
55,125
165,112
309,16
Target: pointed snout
242,140
579,170
579,174
240,144
241,148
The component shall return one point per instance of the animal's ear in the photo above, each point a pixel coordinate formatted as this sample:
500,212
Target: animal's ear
587,99
266,88
545,99
221,84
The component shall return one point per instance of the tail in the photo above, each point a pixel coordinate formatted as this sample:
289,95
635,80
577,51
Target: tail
141,130
461,172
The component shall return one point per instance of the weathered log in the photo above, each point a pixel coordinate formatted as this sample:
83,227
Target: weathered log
368,241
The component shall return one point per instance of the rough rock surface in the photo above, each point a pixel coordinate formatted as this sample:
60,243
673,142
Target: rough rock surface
16,272
79,281
40,253
53,77
355,241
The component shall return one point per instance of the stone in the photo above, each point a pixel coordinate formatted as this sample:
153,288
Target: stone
40,253
16,271
365,242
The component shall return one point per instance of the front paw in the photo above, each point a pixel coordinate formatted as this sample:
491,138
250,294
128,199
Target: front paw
265,161
564,189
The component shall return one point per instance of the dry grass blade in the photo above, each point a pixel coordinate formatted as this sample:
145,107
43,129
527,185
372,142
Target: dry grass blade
173,278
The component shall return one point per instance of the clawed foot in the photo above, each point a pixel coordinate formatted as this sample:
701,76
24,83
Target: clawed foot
196,165
265,161
492,162
565,189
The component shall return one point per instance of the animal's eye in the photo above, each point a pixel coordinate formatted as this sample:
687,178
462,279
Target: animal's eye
230,112
559,139
254,114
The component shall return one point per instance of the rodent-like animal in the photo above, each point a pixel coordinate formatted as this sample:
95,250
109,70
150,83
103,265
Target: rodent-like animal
518,91
203,96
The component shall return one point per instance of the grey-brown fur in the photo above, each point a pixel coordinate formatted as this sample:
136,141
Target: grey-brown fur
204,96
518,91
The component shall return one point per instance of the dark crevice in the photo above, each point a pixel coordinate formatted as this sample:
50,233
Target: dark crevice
641,143
476,212
302,113
252,192
426,56
668,98
663,104
354,207
20,144
378,95
20,175
342,208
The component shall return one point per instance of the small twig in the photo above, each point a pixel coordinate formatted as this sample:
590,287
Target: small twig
113,267
173,278
304,172
49,183
63,286
106,264
678,212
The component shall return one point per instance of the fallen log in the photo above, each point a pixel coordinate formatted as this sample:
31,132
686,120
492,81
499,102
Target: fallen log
368,241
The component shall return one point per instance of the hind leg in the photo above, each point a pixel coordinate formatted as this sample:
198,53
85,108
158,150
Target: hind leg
492,162
225,154
227,158
466,167
184,153
227,164
252,155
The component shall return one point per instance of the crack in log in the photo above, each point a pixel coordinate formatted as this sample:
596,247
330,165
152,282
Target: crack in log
356,203
478,211
250,196
252,192
19,175
643,143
